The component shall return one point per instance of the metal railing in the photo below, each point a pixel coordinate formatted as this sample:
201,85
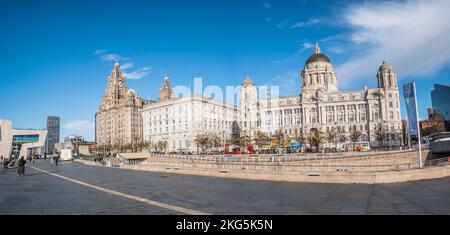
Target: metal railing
265,158
435,162
279,167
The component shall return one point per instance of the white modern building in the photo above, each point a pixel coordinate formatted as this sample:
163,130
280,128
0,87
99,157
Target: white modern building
20,142
321,106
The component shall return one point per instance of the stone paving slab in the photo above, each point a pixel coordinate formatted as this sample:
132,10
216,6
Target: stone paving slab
41,193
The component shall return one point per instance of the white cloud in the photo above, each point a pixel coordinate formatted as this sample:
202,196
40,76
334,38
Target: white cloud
110,57
134,75
99,52
413,35
107,56
302,24
79,126
127,66
138,74
281,25
266,4
307,45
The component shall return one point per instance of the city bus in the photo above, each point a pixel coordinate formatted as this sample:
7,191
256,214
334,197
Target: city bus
357,146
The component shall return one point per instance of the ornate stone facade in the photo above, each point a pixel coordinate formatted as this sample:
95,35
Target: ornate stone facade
179,120
118,120
320,106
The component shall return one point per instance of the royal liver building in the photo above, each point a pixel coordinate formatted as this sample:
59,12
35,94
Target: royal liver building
320,106
118,121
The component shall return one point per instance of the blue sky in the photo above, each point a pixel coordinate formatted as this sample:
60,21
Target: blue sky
56,55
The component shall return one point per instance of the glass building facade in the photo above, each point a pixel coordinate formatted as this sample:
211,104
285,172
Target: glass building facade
440,99
53,129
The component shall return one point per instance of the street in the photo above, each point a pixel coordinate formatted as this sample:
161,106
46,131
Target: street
73,188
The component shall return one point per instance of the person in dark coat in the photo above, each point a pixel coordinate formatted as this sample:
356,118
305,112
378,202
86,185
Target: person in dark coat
56,160
21,164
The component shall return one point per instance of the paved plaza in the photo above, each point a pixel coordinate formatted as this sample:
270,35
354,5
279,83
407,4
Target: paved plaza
74,188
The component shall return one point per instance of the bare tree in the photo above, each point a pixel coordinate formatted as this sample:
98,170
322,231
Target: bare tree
332,137
315,138
261,139
299,138
162,145
380,133
355,135
216,141
245,140
279,136
342,137
201,140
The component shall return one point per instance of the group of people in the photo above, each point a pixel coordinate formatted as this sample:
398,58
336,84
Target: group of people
22,162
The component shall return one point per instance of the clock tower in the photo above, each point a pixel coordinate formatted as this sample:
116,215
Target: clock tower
116,88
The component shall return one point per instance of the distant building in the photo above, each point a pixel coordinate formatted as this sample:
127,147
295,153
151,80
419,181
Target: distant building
73,142
87,148
53,129
440,99
20,142
434,124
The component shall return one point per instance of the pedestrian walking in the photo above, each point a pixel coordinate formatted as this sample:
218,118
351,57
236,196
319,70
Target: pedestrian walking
33,159
21,164
51,160
45,156
56,160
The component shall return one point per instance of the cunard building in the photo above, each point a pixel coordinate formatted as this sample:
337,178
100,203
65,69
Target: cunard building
118,120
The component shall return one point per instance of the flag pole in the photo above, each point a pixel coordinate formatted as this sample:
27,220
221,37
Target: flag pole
418,126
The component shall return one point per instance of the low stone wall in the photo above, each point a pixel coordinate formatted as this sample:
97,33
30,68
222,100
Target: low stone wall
334,171
314,177
384,177
376,162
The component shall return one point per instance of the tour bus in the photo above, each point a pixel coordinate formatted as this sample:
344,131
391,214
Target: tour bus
357,147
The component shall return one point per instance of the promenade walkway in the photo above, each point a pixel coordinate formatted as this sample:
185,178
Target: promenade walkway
74,188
